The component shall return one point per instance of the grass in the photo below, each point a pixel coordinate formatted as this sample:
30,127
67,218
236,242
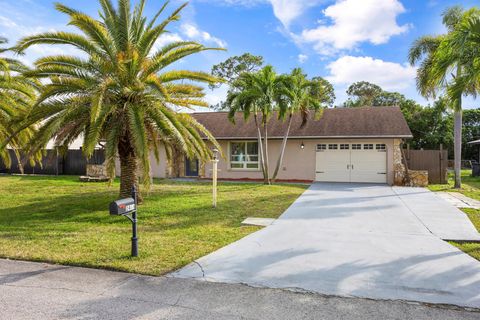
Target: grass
62,220
470,185
470,188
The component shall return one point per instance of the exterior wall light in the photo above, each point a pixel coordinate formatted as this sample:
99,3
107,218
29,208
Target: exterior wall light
302,145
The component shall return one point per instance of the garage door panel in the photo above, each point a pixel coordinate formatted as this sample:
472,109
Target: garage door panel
332,165
369,166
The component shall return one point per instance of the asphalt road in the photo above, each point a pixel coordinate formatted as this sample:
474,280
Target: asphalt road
41,291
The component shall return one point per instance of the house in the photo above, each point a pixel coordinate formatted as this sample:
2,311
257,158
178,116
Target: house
54,162
344,145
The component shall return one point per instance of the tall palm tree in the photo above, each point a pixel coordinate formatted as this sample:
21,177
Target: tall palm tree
121,90
430,81
465,42
255,94
296,93
17,95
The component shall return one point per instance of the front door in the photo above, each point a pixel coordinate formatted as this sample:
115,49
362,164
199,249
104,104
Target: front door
191,167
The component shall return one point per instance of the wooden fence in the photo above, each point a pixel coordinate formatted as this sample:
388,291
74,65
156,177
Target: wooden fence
434,161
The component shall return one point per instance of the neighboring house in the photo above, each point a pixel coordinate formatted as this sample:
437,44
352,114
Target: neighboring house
70,162
344,145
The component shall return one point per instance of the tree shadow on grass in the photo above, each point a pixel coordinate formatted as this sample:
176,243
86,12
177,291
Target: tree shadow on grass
57,212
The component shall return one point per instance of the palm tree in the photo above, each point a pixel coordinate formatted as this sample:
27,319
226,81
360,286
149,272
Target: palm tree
255,94
430,80
121,90
17,95
296,93
465,42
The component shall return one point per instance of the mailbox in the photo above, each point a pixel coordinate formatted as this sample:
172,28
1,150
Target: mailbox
122,207
128,208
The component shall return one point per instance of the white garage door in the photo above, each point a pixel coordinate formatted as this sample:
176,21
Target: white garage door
351,162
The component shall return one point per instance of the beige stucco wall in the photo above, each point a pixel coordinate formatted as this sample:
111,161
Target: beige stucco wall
298,163
157,169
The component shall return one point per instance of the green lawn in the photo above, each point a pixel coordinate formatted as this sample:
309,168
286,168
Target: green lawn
470,188
470,185
62,220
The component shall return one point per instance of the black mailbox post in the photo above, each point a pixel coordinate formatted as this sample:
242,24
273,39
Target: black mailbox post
125,207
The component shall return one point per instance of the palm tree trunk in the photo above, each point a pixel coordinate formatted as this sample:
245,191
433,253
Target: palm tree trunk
128,169
260,146
458,145
265,135
282,151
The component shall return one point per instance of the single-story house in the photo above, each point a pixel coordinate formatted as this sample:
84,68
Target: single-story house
343,145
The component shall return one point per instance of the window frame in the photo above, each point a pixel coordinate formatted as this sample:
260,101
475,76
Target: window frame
245,163
356,146
334,146
371,146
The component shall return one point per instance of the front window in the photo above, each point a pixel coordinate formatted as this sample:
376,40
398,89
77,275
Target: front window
244,155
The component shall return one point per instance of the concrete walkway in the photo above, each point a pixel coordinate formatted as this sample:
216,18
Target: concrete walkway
370,241
40,291
459,200
440,217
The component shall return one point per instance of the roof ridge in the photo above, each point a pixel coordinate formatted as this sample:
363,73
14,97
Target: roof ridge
335,108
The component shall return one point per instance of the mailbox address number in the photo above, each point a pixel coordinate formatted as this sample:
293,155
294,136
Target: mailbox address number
129,207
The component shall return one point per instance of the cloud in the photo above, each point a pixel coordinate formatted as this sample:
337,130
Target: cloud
389,75
217,95
302,58
7,23
353,22
165,39
288,10
14,30
192,32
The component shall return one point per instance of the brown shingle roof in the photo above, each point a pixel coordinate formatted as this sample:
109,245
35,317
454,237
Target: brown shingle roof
338,122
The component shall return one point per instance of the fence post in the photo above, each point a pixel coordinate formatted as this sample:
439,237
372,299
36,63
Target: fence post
442,178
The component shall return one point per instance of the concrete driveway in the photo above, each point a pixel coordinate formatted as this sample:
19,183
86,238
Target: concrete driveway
371,241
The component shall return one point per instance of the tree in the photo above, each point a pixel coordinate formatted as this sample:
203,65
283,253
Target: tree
233,67
441,68
362,94
430,125
17,95
297,94
387,99
120,91
327,97
255,94
464,41
471,131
